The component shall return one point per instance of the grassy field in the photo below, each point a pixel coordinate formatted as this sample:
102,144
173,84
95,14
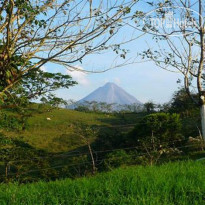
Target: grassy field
179,183
57,134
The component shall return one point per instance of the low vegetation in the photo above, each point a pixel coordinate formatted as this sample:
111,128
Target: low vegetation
170,184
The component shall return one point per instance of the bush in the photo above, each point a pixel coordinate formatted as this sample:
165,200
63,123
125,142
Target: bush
10,122
157,134
162,126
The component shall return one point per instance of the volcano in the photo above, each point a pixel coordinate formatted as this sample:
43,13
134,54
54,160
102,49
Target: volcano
111,93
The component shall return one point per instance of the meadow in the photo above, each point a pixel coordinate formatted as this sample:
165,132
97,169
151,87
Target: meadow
58,133
178,183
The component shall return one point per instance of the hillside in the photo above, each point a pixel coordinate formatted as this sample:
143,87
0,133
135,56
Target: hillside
57,134
170,184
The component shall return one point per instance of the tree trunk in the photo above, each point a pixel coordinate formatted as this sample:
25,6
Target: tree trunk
92,158
203,120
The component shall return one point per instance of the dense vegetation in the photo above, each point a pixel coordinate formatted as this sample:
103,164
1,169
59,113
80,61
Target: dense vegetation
48,143
60,147
170,184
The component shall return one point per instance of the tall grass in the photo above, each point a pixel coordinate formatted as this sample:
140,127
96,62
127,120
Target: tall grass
179,183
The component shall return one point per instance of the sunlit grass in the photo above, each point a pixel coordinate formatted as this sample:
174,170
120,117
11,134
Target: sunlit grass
172,183
54,135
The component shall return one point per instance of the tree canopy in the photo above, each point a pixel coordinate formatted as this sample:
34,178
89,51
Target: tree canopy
33,33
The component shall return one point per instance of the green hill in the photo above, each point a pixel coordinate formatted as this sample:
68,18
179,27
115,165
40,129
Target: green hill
173,183
57,134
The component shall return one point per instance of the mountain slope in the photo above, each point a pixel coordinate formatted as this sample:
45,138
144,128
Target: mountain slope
111,93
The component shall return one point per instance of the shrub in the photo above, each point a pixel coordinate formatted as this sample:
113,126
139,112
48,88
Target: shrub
162,126
156,134
10,122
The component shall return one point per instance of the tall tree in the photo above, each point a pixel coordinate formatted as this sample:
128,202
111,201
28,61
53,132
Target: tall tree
149,106
178,28
35,32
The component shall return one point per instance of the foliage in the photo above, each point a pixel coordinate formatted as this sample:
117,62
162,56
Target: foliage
94,106
157,134
31,34
33,86
18,158
61,144
82,108
109,138
194,144
162,126
133,108
179,49
10,122
116,159
149,106
182,103
166,184
39,83
103,107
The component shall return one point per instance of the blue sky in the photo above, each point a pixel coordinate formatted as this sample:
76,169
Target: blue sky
145,81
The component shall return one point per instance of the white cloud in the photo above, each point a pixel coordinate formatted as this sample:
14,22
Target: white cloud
79,76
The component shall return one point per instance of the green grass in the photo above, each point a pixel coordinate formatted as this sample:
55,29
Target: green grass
57,135
179,183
